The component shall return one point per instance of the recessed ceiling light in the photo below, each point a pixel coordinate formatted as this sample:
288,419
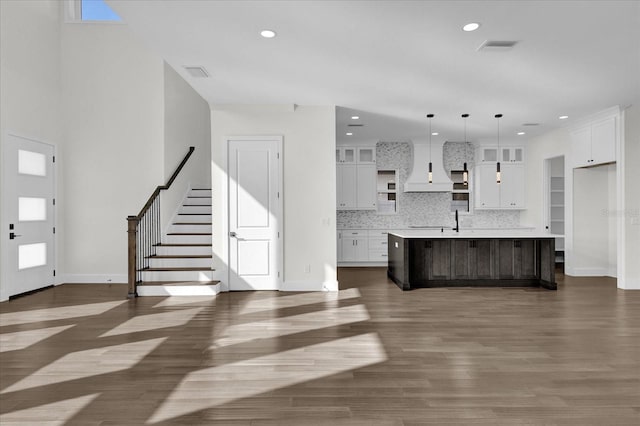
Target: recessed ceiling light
471,26
520,133
435,134
349,134
268,33
355,117
563,117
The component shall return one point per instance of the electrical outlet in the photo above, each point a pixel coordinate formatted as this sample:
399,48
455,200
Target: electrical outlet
307,269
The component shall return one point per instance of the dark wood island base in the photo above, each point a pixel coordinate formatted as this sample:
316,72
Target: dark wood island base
472,261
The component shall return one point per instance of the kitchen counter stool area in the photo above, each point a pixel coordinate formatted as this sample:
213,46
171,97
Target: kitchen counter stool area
465,261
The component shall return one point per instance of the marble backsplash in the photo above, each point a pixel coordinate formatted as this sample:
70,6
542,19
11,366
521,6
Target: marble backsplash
424,208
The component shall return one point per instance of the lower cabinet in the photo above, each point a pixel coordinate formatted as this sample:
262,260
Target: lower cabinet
362,246
472,259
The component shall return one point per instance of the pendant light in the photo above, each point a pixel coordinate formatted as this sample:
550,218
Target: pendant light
498,177
430,116
465,172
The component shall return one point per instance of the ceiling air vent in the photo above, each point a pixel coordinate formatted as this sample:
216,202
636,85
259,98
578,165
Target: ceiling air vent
197,72
497,45
530,124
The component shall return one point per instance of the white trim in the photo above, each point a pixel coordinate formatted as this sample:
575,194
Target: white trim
362,264
279,139
331,285
589,272
181,290
94,279
621,220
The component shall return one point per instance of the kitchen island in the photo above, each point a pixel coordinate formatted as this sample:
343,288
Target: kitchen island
464,259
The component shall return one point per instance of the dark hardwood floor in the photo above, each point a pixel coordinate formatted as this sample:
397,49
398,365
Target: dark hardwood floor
370,354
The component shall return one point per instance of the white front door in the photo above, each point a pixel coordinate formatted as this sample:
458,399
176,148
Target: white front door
28,216
255,191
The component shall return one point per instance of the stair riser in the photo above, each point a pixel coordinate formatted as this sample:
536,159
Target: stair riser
186,290
200,193
180,263
177,275
168,251
198,201
190,228
195,209
193,218
187,239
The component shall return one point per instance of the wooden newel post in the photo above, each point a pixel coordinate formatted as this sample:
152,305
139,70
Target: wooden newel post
132,232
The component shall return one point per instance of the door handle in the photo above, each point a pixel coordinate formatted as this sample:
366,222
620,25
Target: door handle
233,234
13,235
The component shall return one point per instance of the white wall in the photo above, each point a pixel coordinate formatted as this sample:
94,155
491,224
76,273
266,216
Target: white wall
309,187
29,79
113,145
187,122
631,221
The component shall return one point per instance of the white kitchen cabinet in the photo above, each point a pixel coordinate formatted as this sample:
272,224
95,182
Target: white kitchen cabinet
487,191
366,155
355,181
346,181
354,245
488,154
595,142
509,194
512,187
346,154
378,246
366,180
512,154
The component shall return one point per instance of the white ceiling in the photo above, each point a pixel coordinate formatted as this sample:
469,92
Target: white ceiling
392,62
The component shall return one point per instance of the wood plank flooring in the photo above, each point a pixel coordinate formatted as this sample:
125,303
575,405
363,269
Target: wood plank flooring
367,355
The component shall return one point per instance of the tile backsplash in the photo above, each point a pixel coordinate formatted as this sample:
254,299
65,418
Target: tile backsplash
424,208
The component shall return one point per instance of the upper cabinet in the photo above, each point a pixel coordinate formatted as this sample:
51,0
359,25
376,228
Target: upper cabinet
356,155
506,154
356,178
594,141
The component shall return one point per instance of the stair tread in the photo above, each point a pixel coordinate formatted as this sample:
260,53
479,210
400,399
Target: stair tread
177,283
201,189
180,256
168,269
181,245
192,223
189,233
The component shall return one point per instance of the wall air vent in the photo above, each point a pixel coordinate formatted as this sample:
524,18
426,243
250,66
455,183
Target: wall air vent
355,125
197,72
496,45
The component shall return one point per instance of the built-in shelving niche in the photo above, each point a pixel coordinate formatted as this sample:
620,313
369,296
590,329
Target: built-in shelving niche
460,199
387,188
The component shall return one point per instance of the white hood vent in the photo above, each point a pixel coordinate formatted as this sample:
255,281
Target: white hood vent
418,180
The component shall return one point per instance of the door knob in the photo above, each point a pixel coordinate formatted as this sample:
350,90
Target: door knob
13,235
232,234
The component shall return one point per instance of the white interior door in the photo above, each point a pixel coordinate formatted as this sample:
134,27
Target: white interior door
254,214
28,219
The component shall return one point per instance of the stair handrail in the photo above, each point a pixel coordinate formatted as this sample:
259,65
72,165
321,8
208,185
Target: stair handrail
147,242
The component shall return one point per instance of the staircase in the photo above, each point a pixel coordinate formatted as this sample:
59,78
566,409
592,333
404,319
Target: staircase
181,265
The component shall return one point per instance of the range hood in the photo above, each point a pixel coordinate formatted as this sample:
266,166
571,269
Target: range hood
418,180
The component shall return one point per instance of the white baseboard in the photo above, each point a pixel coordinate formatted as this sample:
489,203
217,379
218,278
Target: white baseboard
309,286
93,279
629,285
587,272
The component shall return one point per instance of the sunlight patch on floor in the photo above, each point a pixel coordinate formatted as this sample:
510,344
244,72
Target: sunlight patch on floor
154,322
56,413
183,300
92,362
61,313
271,303
277,327
23,339
258,375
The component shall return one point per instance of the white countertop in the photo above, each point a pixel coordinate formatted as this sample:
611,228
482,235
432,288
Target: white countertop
470,233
